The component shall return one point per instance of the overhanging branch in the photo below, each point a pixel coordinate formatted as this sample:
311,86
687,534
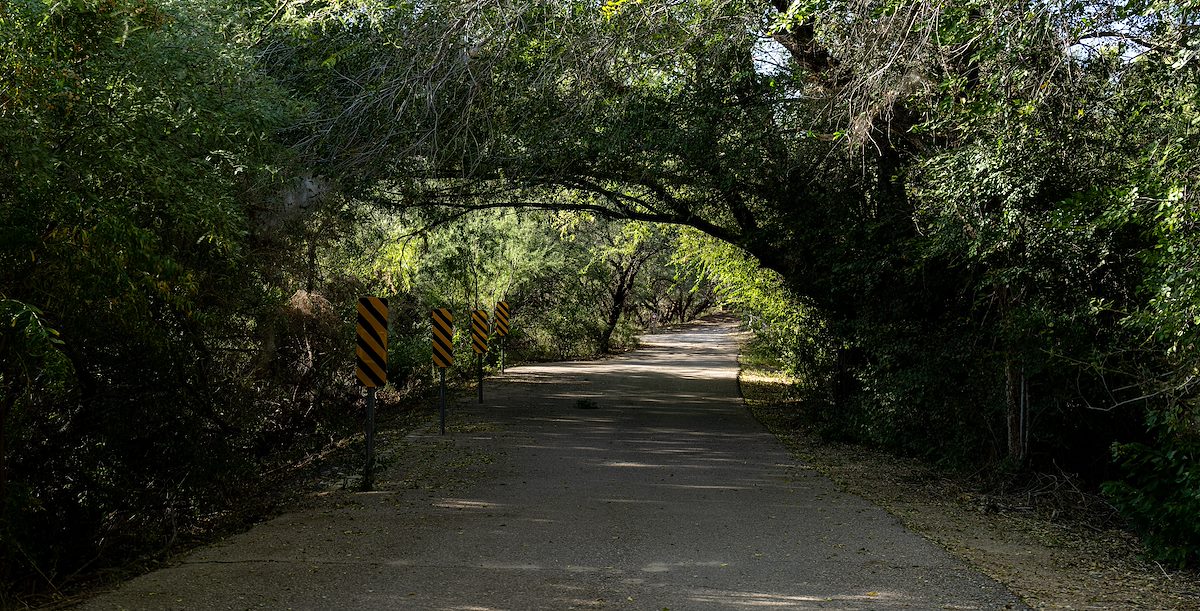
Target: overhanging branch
460,209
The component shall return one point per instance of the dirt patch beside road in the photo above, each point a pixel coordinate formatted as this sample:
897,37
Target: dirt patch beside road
1050,564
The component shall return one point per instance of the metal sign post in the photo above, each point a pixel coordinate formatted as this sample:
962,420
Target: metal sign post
369,467
501,328
443,353
371,369
479,341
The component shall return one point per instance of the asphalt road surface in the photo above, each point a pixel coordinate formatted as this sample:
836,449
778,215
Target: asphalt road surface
638,482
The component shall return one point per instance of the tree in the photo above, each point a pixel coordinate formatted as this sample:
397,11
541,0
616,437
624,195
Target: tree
131,132
914,171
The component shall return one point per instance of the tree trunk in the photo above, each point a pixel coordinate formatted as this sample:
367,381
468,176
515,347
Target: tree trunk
840,375
310,283
1012,413
6,405
614,316
8,399
1012,403
620,294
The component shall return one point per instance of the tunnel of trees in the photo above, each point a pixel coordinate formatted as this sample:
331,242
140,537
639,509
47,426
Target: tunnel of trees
969,228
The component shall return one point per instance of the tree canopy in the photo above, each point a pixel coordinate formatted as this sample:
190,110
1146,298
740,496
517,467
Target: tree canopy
970,226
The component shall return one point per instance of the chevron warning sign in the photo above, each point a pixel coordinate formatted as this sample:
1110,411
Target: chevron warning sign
443,337
479,331
372,341
502,318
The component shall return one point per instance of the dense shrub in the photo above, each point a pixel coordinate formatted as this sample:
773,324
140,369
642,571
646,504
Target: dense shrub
1160,494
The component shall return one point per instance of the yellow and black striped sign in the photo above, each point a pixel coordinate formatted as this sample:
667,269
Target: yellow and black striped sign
443,337
502,318
372,341
479,331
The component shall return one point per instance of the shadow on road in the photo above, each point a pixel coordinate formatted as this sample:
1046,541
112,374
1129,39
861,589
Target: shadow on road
638,482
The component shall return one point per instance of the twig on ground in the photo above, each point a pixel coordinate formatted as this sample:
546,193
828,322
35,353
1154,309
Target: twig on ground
1164,571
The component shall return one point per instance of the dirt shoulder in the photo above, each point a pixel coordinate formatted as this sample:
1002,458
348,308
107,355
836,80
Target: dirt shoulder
1050,562
327,479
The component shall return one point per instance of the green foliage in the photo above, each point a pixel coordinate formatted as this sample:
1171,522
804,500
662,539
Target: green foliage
1160,488
577,286
926,209
31,348
133,134
961,205
795,332
1160,494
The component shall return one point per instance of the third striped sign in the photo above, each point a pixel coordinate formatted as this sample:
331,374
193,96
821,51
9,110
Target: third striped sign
502,318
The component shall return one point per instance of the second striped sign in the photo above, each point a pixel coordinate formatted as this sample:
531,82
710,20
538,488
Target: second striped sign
443,353
372,365
479,331
372,342
502,318
479,342
443,337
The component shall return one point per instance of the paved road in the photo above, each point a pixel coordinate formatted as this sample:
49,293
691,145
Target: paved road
633,483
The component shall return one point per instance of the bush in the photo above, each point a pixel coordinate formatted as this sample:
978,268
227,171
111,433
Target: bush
1160,495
